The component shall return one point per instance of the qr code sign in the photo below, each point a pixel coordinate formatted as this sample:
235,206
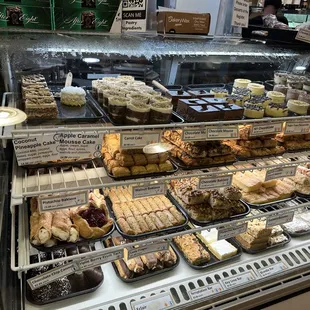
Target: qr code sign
134,4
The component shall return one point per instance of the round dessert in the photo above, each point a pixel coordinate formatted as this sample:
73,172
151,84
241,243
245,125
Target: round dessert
241,83
280,88
219,92
280,77
235,99
118,108
256,89
138,113
298,107
260,100
304,98
274,110
294,93
253,111
276,97
295,81
244,92
73,96
161,112
306,85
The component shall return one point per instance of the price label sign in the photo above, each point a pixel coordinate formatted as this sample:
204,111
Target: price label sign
215,182
140,250
163,301
296,128
266,129
241,11
100,260
235,281
194,134
65,201
206,291
225,132
230,232
303,35
279,219
149,190
51,275
279,173
139,140
272,269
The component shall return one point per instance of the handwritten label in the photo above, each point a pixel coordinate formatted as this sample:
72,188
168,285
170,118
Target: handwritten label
149,190
51,276
100,260
139,140
226,132
303,35
206,291
279,173
296,128
194,134
161,301
269,129
230,232
279,219
271,270
239,280
140,250
57,202
241,13
215,182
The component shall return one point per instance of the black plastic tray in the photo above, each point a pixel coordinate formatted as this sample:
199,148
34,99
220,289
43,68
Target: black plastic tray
151,233
142,176
296,234
249,251
240,158
178,162
206,223
213,260
206,87
302,195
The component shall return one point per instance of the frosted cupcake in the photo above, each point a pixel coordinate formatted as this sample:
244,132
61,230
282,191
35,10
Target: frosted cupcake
73,96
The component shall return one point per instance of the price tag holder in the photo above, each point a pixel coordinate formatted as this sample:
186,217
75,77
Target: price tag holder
279,173
266,129
64,201
139,140
239,280
296,128
139,250
52,275
230,232
194,134
163,301
100,260
303,35
207,291
149,190
272,269
224,132
241,11
215,182
276,219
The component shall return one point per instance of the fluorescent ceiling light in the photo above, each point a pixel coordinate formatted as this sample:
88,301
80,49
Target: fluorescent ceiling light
300,68
91,60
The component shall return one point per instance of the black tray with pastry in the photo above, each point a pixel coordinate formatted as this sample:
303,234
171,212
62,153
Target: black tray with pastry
143,267
196,244
70,286
142,218
69,228
297,228
177,201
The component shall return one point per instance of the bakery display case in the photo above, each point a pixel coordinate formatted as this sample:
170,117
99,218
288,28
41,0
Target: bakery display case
170,173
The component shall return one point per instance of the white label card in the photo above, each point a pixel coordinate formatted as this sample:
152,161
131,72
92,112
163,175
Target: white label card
139,140
215,182
296,128
194,134
100,260
303,35
52,275
230,232
140,250
161,301
149,190
279,173
272,269
206,291
241,13
65,201
225,132
279,219
235,281
266,129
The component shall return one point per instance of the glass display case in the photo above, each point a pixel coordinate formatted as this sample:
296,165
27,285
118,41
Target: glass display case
198,209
